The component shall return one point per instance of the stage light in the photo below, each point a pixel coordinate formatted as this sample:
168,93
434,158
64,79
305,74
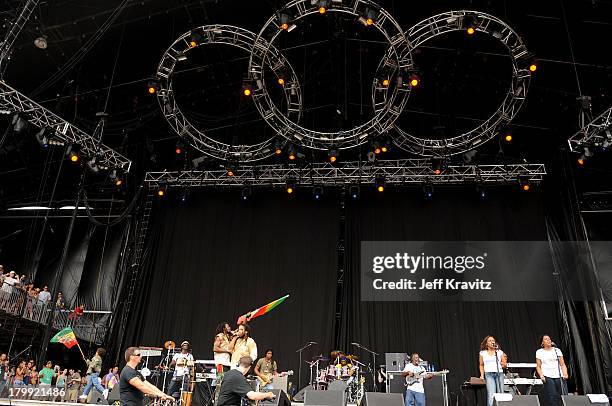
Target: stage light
246,90
376,147
42,137
317,192
437,165
481,191
368,18
332,155
291,152
152,86
161,190
533,67
354,192
428,191
118,182
290,187
281,81
414,80
524,183
284,21
469,22
581,160
73,156
278,146
508,137
245,193
178,150
194,39
230,170
385,82
184,195
380,183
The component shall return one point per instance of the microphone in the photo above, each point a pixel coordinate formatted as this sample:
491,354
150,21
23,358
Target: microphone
313,342
495,346
552,344
356,344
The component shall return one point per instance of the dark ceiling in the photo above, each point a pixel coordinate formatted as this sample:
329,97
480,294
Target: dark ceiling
88,69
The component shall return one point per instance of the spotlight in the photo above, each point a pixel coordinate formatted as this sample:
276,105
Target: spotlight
92,165
385,82
73,156
230,170
245,193
42,137
194,39
323,6
533,67
291,152
278,147
581,159
508,136
354,192
524,183
118,182
368,18
428,191
376,147
481,191
414,80
152,86
380,183
332,155
281,81
437,166
290,187
161,190
115,177
178,150
184,195
469,22
41,42
317,192
247,90
284,21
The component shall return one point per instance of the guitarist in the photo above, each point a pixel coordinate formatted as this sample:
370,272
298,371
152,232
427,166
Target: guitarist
415,392
266,369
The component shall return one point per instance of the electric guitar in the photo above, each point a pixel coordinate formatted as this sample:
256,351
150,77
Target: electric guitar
410,380
270,377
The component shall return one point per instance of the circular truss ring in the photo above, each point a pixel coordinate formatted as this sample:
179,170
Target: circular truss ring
389,99
225,35
451,21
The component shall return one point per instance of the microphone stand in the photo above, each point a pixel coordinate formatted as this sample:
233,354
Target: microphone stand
498,372
561,380
300,364
374,354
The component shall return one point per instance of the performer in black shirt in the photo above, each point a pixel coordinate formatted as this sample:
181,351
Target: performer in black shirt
235,386
132,385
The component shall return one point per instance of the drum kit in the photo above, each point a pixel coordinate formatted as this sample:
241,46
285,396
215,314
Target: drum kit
344,373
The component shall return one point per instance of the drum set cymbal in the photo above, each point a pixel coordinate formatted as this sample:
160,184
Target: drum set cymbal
169,345
320,358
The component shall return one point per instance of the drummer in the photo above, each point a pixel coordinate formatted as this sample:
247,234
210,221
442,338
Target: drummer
346,367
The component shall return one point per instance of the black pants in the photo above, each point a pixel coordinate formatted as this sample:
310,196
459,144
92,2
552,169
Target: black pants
174,389
554,388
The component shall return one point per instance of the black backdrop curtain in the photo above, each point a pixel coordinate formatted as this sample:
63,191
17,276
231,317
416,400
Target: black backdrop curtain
447,333
217,258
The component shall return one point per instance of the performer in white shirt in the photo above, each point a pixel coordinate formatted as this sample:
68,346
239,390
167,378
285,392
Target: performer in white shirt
182,362
551,367
414,373
492,362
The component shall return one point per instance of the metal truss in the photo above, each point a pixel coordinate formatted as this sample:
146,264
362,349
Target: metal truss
458,20
395,172
389,99
15,28
239,38
12,100
597,133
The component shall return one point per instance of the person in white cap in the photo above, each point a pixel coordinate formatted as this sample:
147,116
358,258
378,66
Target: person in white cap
182,362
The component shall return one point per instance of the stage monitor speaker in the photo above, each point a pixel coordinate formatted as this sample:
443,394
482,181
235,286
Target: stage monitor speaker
281,399
573,400
96,398
113,395
299,397
395,361
395,382
324,398
382,399
519,400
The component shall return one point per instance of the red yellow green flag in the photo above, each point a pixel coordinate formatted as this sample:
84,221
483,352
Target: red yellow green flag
261,310
66,337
